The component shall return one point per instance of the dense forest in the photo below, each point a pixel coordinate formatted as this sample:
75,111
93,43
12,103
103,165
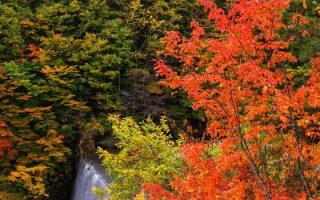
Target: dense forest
180,99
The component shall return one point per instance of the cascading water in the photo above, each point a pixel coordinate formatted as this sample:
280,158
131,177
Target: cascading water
90,174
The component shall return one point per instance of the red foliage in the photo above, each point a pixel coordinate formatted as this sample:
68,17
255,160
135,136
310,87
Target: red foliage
4,144
268,129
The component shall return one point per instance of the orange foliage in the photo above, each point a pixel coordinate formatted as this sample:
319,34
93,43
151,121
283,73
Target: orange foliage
269,131
35,53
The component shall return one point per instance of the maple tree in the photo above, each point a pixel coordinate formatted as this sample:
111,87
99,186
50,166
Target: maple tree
267,126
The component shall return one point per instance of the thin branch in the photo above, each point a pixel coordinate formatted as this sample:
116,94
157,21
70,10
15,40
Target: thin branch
297,138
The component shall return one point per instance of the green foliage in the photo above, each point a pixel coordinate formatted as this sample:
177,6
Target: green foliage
30,148
10,38
67,54
149,21
146,154
213,150
303,28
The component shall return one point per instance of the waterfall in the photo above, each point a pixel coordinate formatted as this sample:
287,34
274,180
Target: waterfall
90,174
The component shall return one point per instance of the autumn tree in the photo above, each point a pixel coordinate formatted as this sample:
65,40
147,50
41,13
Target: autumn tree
267,125
146,154
30,147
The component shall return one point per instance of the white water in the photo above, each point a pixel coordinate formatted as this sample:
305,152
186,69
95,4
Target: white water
90,174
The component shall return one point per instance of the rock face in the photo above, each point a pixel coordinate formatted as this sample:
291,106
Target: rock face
90,174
